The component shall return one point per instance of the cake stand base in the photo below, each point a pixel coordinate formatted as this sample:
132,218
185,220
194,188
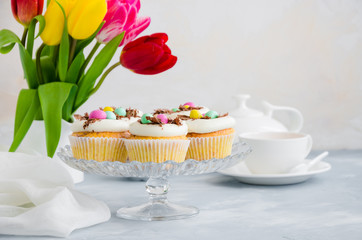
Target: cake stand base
158,208
157,211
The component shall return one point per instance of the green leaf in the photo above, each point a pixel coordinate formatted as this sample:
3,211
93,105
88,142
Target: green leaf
74,68
7,38
81,44
48,69
7,49
68,105
63,50
31,32
52,98
47,50
100,62
27,107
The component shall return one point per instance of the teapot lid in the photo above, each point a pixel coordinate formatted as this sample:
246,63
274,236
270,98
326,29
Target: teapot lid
243,110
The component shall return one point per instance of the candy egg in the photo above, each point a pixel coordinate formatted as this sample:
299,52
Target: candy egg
110,115
121,111
97,114
108,109
174,109
186,106
163,118
190,104
144,119
195,114
212,114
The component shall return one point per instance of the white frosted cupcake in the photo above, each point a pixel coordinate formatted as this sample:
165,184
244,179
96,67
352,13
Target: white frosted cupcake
157,139
211,135
182,110
99,135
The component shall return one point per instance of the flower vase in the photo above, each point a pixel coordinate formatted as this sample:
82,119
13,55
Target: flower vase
34,143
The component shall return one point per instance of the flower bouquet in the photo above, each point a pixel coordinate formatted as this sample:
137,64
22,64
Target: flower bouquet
60,76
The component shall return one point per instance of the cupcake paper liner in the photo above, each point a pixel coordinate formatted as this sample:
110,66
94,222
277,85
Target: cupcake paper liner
156,150
204,148
98,148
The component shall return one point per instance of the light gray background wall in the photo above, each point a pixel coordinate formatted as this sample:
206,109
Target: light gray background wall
301,53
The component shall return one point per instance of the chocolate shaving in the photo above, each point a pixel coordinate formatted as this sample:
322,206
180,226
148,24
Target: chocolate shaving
131,112
224,115
184,117
162,111
182,108
89,121
80,117
176,121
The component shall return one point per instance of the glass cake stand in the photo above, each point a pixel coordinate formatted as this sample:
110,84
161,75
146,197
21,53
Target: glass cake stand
158,207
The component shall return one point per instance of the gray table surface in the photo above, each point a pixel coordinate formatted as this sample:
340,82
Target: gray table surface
327,206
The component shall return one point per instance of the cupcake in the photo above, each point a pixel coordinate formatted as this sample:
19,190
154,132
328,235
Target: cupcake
211,135
157,138
184,109
99,135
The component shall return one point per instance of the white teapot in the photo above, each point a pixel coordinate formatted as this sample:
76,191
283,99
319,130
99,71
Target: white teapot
251,120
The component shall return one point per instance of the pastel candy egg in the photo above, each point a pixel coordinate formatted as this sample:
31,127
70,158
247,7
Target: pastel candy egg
174,109
110,115
97,114
144,120
108,109
212,114
190,104
121,111
163,118
186,106
195,114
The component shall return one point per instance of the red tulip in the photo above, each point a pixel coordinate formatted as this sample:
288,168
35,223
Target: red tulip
148,55
25,10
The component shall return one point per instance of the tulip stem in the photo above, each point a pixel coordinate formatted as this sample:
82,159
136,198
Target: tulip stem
23,38
105,74
87,60
72,51
38,64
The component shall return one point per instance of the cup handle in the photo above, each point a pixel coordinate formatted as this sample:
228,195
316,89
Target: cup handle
309,145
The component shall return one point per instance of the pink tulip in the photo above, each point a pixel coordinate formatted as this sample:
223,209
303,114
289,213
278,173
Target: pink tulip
122,16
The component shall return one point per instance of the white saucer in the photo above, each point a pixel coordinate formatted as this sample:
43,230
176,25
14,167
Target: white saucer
242,173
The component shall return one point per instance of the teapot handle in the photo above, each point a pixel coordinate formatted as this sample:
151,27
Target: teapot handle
296,116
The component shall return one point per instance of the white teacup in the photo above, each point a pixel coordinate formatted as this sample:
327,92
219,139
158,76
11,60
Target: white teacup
276,152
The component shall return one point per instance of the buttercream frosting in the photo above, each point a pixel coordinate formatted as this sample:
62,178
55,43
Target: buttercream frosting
209,125
157,130
103,125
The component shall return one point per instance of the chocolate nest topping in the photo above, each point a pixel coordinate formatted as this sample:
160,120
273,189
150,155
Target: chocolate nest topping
154,120
162,111
185,117
130,112
182,108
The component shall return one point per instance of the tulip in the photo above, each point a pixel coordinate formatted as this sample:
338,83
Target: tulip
54,21
148,55
83,18
122,16
25,10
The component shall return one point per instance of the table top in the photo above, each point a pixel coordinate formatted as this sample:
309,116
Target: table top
327,206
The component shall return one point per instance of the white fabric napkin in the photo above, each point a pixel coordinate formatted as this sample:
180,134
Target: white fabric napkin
37,198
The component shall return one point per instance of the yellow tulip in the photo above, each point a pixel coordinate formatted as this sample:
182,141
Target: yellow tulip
85,17
54,21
